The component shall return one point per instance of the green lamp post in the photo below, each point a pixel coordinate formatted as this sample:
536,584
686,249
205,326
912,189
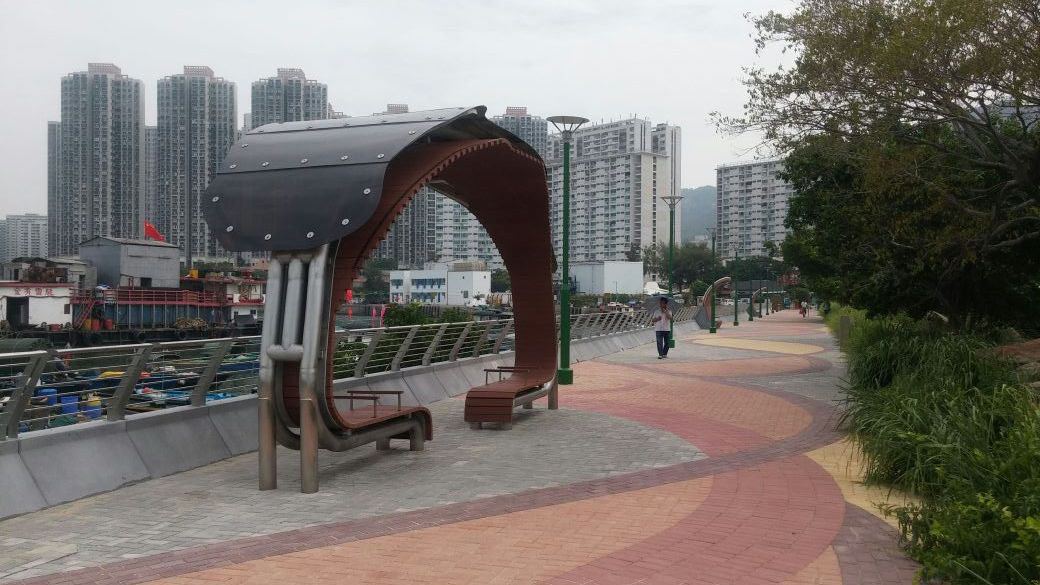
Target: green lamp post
566,125
672,201
714,292
736,297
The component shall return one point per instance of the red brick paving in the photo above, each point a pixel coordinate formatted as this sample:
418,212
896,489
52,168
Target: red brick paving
772,514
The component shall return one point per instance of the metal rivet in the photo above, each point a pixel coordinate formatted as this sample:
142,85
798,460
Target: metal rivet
233,167
303,161
367,191
215,199
310,235
380,155
345,221
344,157
411,131
267,236
264,164
230,228
245,145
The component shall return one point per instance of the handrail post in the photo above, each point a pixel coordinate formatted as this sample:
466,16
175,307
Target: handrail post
428,356
117,404
198,395
483,338
23,390
359,370
503,333
458,342
395,364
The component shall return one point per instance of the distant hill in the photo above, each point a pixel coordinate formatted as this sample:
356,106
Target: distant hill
698,211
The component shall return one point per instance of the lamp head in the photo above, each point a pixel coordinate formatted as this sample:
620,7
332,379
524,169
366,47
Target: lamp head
567,124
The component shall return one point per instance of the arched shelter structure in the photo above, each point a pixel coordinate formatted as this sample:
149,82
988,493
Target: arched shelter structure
319,196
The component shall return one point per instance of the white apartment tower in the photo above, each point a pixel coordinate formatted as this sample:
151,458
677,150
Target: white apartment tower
151,175
101,162
288,97
619,172
752,204
23,236
197,126
533,130
53,179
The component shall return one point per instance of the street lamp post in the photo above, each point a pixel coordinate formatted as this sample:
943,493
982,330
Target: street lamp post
736,297
714,292
672,201
566,125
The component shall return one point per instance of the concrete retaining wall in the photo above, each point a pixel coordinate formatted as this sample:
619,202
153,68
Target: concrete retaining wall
49,467
52,466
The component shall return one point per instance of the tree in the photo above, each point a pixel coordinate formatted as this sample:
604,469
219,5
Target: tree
955,77
632,255
410,314
692,262
500,281
652,262
375,277
870,227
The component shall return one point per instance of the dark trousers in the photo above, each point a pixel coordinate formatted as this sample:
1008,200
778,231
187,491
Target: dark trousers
662,342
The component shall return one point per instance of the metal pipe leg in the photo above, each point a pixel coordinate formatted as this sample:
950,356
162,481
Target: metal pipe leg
554,396
417,438
308,446
268,448
382,444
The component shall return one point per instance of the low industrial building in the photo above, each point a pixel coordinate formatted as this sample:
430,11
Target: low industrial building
462,288
133,263
34,304
615,277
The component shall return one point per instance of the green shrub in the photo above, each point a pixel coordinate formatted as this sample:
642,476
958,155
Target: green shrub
939,415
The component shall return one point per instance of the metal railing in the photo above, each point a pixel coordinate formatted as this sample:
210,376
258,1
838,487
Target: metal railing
52,388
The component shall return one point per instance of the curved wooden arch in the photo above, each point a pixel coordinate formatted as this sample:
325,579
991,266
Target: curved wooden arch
505,189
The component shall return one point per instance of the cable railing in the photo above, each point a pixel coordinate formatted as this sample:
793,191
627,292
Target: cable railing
54,388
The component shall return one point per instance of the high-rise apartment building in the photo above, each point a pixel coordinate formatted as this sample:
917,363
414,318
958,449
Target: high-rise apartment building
100,158
751,206
197,126
434,227
619,172
288,97
53,179
23,236
533,130
151,175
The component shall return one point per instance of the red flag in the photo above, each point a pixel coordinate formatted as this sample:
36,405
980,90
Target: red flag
151,233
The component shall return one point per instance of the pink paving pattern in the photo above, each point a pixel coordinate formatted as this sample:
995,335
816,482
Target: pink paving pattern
757,511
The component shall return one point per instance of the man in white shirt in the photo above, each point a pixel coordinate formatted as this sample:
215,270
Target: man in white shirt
662,327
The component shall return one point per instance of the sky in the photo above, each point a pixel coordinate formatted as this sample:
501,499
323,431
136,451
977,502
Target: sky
669,61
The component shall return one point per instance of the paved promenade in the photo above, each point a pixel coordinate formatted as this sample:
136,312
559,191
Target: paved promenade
719,465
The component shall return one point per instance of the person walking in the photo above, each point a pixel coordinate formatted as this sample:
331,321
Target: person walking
662,327
805,309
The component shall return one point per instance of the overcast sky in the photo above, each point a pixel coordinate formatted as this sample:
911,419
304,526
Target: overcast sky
667,60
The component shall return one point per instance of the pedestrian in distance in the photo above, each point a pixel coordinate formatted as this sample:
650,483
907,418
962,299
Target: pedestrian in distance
662,327
805,309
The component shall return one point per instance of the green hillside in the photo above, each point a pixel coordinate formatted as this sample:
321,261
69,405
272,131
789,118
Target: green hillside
698,211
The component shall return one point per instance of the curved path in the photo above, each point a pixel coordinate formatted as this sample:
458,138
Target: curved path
718,465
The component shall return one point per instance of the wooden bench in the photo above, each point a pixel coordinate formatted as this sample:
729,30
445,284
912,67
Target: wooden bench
370,419
495,402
